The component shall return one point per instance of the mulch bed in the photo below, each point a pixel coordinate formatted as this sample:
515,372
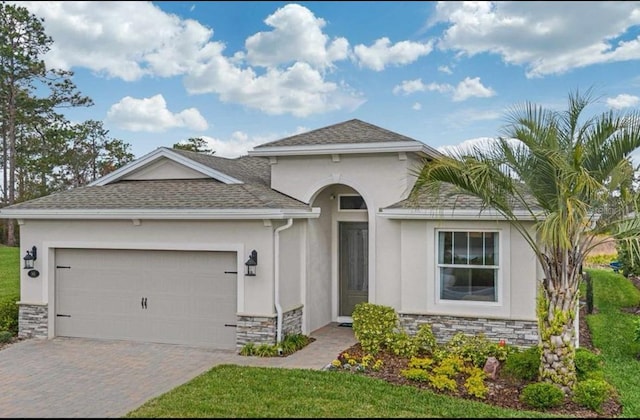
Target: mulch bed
503,392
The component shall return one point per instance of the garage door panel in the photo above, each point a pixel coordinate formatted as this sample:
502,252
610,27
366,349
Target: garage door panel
188,296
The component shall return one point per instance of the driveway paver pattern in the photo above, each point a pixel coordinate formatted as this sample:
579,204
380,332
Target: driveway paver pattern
87,378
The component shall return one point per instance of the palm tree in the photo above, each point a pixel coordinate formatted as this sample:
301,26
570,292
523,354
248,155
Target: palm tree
559,168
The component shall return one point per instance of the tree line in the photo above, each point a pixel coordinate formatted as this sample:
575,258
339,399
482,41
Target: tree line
41,150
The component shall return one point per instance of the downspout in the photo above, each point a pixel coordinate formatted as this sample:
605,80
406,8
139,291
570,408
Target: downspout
276,278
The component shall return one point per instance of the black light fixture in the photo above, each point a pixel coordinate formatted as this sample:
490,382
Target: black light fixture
30,258
251,263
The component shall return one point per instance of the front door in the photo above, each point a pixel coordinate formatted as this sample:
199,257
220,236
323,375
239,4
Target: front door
354,265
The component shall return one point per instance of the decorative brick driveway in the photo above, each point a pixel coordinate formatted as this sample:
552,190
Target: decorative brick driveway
74,377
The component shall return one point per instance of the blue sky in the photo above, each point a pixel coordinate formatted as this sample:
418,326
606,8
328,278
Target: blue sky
244,73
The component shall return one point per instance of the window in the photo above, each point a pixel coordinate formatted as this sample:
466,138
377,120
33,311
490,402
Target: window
468,265
352,202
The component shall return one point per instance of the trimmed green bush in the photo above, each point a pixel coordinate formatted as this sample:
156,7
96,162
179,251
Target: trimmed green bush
5,336
374,325
425,339
542,395
592,393
9,314
523,364
587,363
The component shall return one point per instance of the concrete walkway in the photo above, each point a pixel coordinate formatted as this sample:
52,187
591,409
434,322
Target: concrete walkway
75,377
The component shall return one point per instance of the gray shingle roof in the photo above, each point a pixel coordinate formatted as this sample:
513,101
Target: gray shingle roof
165,194
249,169
449,198
348,132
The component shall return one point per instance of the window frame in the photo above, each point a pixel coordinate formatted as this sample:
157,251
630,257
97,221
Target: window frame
499,268
350,210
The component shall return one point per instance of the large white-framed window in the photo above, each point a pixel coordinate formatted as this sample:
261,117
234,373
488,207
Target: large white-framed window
468,267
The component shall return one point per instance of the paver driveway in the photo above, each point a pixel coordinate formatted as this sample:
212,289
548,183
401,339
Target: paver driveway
74,377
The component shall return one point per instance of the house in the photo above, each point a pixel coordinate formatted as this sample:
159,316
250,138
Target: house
187,248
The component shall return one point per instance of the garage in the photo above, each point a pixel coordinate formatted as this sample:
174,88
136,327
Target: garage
177,297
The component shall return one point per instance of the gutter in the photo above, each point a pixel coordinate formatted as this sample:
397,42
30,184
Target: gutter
276,278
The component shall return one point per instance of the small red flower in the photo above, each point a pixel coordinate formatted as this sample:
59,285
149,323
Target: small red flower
502,343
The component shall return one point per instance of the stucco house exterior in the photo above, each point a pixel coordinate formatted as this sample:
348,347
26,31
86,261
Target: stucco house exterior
158,249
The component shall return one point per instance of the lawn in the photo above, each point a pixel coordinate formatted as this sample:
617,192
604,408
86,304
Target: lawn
611,332
9,271
235,391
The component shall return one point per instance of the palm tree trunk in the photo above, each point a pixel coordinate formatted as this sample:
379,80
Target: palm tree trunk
556,323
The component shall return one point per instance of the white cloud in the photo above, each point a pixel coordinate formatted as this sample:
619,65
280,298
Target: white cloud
127,40
467,145
408,87
240,142
417,106
297,36
382,53
299,90
623,101
471,88
151,114
238,145
468,88
545,38
445,69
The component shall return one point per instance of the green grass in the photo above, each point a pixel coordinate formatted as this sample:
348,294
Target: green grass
612,332
9,271
235,391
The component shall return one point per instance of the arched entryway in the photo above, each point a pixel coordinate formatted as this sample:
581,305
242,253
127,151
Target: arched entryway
338,263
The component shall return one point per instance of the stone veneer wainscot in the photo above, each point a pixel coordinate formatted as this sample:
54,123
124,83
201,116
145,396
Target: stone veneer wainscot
33,320
515,332
262,329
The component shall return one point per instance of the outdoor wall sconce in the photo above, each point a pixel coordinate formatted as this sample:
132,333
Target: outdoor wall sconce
29,259
251,263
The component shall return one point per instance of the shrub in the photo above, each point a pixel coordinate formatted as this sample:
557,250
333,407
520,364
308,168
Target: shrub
475,383
586,363
472,348
425,340
415,374
5,336
592,393
373,325
628,258
266,350
248,349
523,364
403,345
9,314
542,395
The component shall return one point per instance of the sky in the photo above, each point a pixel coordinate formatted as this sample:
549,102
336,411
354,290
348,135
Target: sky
243,73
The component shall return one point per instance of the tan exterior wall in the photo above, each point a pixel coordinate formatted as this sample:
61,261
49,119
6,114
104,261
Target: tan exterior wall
292,259
418,272
255,294
381,179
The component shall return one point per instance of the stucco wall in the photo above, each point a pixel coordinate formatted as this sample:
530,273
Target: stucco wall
255,293
418,271
292,260
381,179
318,283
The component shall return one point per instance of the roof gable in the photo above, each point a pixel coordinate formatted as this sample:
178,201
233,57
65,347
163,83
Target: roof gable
348,132
353,136
172,155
